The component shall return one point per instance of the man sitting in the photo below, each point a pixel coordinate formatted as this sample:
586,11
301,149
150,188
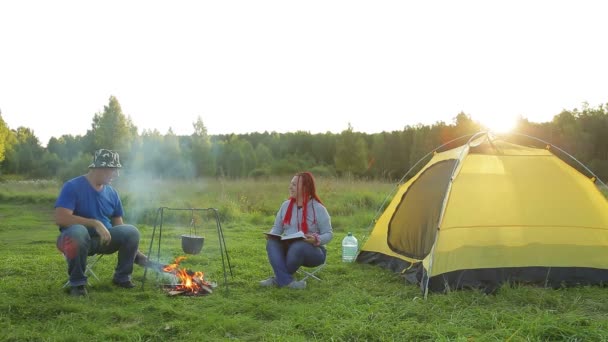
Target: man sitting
89,214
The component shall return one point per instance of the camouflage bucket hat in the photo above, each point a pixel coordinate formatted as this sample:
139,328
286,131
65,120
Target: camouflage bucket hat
105,159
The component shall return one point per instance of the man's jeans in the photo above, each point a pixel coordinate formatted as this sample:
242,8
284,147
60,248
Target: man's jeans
287,257
77,242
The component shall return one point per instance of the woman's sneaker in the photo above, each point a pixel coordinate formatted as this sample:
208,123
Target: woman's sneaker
297,284
268,282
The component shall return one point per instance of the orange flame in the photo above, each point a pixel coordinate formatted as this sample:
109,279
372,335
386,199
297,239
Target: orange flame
192,283
189,281
172,267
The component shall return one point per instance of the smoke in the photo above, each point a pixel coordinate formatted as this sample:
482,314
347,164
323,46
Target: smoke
151,180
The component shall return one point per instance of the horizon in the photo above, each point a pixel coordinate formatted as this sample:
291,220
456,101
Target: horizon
140,131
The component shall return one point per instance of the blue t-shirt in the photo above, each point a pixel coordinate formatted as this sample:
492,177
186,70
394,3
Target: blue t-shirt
81,197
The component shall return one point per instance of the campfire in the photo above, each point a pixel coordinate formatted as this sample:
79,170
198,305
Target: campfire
186,282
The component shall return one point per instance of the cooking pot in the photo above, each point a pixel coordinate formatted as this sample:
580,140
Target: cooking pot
192,244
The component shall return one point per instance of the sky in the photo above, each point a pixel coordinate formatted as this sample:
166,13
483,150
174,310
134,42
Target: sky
286,66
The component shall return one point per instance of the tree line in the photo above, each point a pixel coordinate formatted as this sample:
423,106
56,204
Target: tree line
385,155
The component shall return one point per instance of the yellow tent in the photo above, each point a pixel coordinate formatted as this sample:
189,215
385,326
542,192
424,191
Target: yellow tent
492,211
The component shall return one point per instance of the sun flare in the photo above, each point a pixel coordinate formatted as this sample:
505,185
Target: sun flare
499,123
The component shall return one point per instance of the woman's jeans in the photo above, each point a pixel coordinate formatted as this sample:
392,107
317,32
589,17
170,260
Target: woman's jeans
77,242
287,257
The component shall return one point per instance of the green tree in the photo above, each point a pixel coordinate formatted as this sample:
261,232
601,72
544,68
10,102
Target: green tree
25,155
389,155
594,123
264,161
218,150
5,135
570,135
351,153
249,156
378,162
421,144
147,159
202,158
67,147
324,148
172,164
235,160
263,156
48,166
112,129
464,125
75,167
399,145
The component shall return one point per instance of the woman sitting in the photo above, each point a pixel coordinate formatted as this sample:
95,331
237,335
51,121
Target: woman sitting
303,212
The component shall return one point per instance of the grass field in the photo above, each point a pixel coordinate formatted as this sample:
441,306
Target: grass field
353,303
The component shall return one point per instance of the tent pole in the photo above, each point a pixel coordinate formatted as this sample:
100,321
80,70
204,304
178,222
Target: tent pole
463,154
391,194
564,152
400,182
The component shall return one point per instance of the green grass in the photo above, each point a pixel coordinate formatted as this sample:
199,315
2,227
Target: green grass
28,191
354,302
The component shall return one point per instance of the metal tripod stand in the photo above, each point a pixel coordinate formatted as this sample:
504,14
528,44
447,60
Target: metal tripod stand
158,222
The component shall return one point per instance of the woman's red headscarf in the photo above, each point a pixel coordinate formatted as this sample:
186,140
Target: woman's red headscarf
308,191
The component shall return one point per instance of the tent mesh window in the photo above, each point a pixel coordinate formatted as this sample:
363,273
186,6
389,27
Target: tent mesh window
413,225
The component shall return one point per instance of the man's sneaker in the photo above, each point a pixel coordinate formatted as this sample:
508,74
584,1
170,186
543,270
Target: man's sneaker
297,284
78,291
124,284
268,282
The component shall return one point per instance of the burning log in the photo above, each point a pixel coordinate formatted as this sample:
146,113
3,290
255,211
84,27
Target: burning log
187,282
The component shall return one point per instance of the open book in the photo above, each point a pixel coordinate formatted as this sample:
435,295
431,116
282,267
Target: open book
297,235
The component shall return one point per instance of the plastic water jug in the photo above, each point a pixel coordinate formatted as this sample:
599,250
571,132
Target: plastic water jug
350,246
